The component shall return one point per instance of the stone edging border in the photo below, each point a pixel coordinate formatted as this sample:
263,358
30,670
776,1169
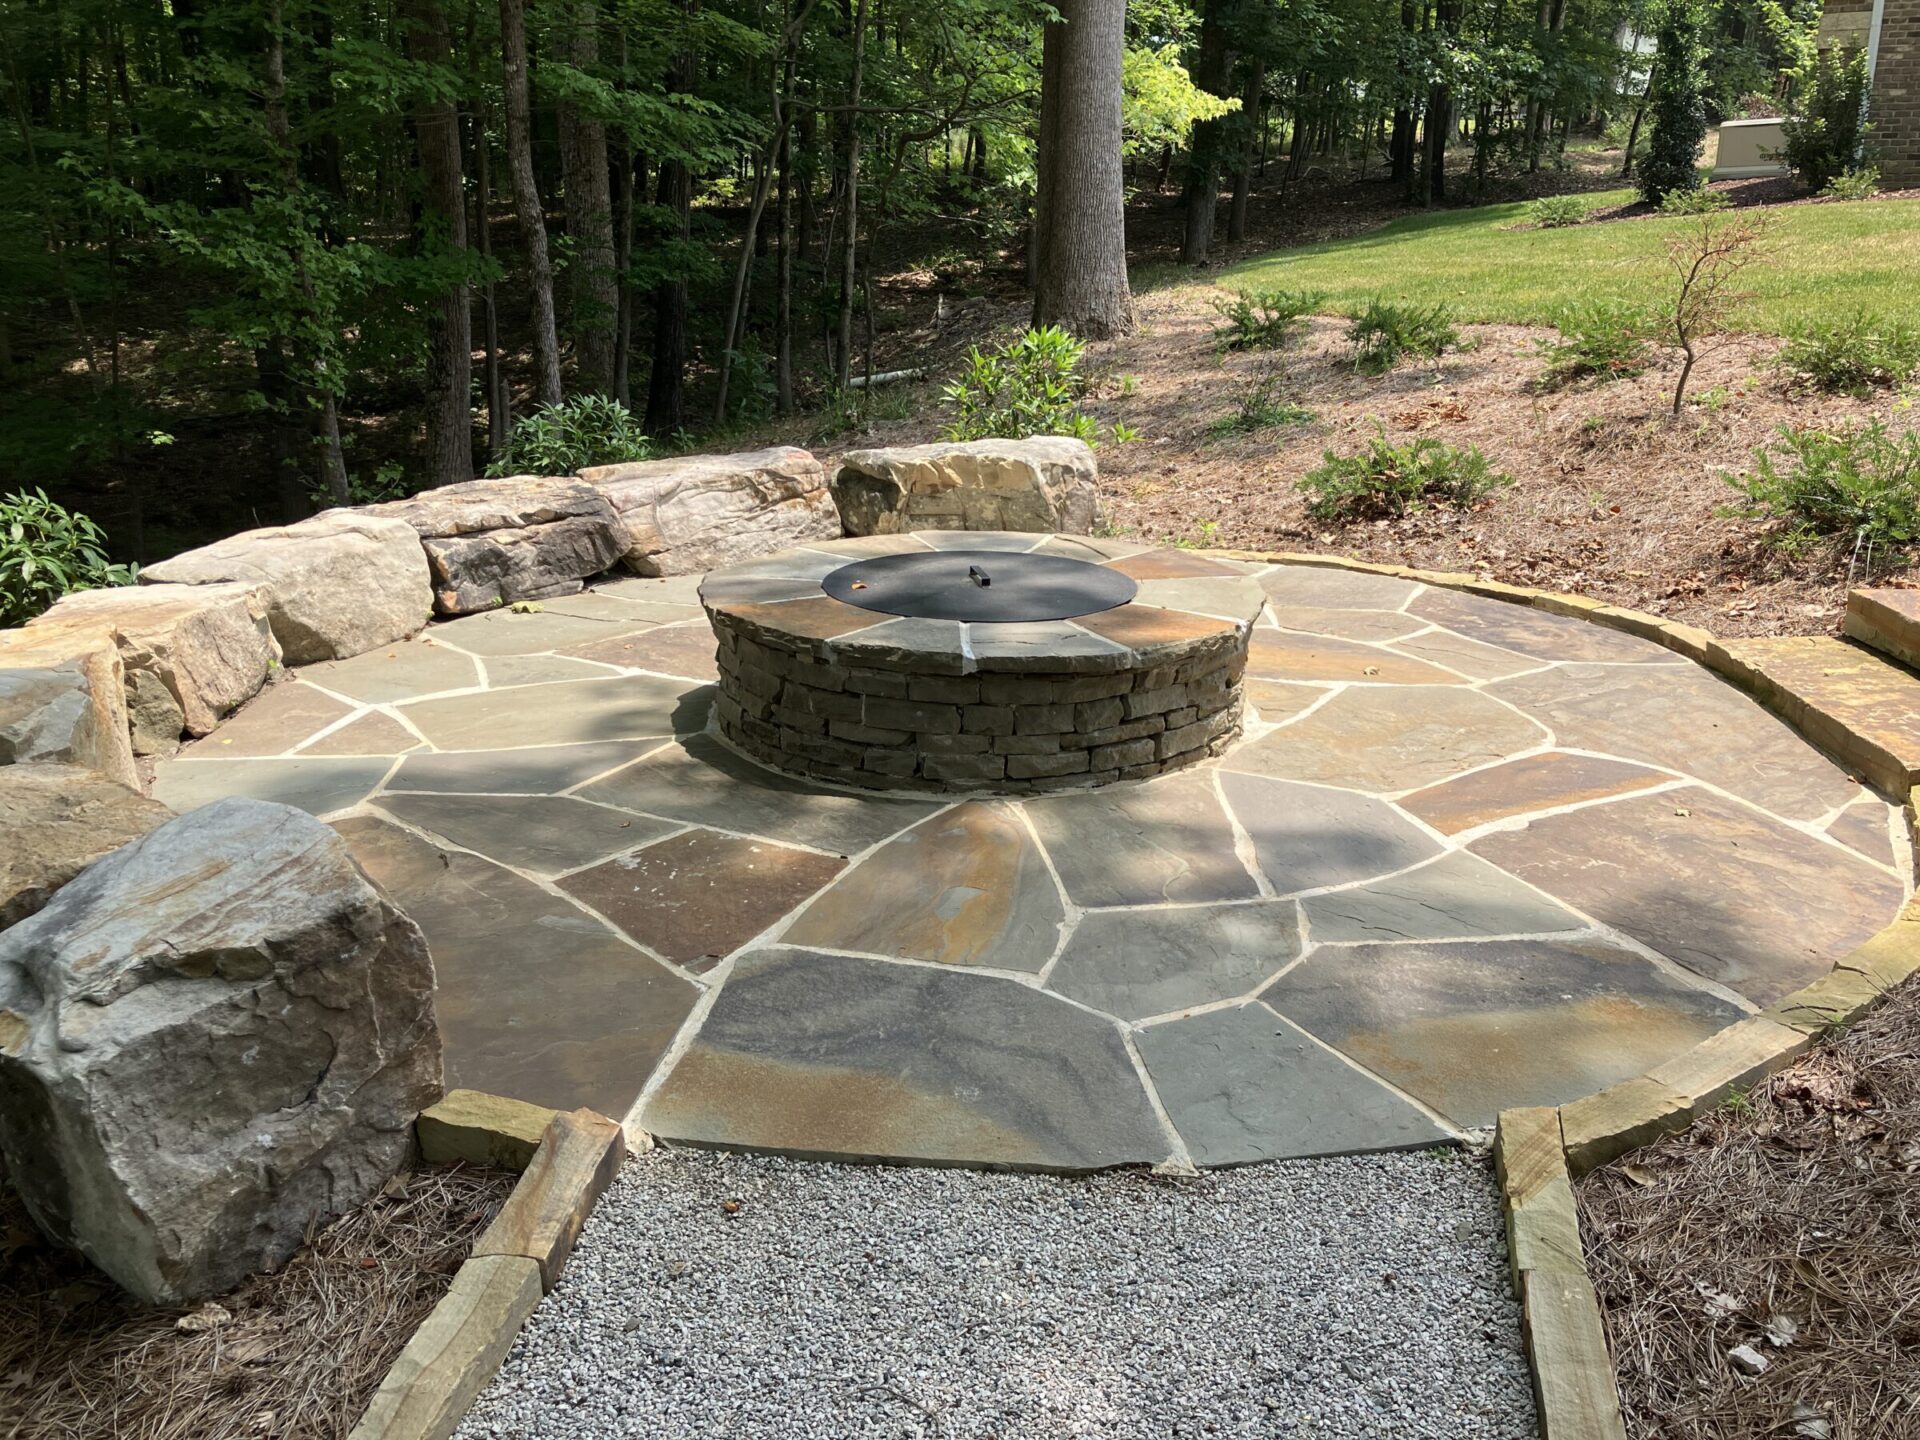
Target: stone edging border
1539,1151
566,1160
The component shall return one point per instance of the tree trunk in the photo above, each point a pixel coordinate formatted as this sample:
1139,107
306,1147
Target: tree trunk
443,225
1250,125
594,271
1080,281
667,380
783,320
850,248
526,200
1212,71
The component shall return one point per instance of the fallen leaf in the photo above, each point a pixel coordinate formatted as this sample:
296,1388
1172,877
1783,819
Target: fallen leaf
210,1316
1638,1174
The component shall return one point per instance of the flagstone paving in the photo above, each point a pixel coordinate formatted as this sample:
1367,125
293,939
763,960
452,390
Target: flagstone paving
1466,855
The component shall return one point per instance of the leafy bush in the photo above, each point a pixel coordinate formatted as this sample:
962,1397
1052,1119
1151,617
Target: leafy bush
581,430
1694,202
1265,407
1605,339
47,551
1391,479
1384,331
1856,484
1849,355
1029,386
1828,127
1861,184
1556,212
388,482
1264,319
1677,104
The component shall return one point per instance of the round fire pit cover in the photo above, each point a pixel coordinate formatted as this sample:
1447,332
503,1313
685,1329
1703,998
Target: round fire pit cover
980,586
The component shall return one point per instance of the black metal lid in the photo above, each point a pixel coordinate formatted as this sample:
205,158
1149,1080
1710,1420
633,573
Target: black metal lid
980,586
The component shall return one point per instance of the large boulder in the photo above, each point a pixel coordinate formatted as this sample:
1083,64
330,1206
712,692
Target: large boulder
192,653
210,1039
527,537
337,585
63,700
698,512
59,819
1046,483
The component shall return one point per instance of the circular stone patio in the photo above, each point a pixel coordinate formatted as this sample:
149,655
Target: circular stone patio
1466,855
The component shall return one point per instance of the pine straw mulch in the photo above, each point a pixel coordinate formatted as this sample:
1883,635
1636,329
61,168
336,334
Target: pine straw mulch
1790,1223
295,1355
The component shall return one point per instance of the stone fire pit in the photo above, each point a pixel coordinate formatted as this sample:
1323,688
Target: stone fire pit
970,661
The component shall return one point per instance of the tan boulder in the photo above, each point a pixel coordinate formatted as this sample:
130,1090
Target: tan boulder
1046,483
59,819
525,537
695,513
63,700
338,584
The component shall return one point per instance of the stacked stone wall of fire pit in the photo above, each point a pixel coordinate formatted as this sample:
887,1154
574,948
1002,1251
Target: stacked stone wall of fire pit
899,703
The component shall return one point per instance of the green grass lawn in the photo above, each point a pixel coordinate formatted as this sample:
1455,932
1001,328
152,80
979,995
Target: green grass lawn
1826,260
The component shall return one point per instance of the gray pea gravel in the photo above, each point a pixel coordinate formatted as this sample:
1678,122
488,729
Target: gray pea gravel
726,1295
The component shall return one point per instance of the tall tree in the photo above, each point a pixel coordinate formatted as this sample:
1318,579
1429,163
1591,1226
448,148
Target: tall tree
1200,196
583,162
526,200
443,223
1079,222
1677,103
667,380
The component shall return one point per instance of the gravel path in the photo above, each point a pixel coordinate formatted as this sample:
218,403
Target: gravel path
722,1295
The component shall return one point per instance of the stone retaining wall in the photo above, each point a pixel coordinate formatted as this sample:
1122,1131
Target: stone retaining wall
1009,733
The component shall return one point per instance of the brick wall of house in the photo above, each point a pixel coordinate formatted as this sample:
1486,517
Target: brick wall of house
1896,95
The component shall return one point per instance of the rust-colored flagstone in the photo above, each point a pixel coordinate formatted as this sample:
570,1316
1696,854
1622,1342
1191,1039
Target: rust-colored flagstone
819,617
670,650
1347,624
1171,565
1534,632
1522,787
1143,629
1336,589
272,723
1287,655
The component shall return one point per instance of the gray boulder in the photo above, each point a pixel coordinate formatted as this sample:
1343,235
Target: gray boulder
63,700
526,537
339,584
57,820
695,513
208,1040
1047,483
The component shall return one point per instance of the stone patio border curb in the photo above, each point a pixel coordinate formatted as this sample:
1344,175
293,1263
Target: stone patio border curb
465,1339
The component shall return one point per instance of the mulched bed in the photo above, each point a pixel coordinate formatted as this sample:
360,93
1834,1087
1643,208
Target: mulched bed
1768,190
293,1356
1788,1223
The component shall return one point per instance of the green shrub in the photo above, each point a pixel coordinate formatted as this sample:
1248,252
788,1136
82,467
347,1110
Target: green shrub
47,551
1677,107
1858,485
581,430
1849,355
1389,479
1861,184
1264,319
1029,386
1556,212
1265,407
388,482
1384,331
1604,340
1694,202
1827,126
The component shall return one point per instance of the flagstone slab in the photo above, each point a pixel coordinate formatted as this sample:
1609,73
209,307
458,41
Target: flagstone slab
835,1057
967,887
1348,624
1288,655
1456,897
1148,632
1857,704
1469,657
1010,540
541,833
505,672
662,590
1888,620
697,897
536,999
1687,720
319,786
533,632
1278,700
1729,893
1172,565
535,770
1866,829
620,606
1535,632
1388,738
699,780
1306,837
1139,845
1243,1085
1475,1027
273,722
404,670
1336,589
1047,645
669,650
618,707
1138,963
1228,597
371,734
1524,786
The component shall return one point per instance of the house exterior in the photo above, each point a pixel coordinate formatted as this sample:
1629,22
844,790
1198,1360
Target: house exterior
1890,30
